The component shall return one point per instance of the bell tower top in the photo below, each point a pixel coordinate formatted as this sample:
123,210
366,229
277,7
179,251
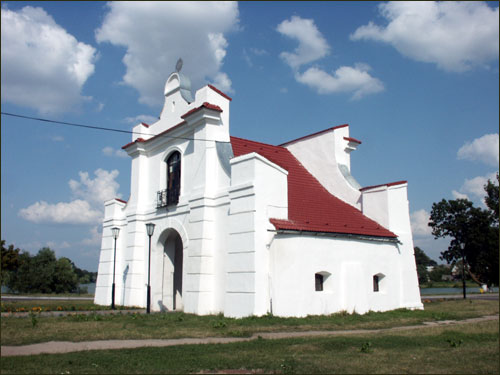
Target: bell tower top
179,82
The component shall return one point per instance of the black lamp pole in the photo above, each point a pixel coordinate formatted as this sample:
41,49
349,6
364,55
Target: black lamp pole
115,231
150,228
462,246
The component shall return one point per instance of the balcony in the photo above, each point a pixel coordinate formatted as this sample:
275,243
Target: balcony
167,197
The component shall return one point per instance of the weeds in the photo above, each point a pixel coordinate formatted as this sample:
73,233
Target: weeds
366,347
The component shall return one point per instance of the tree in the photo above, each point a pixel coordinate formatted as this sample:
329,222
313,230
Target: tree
43,273
10,261
474,227
423,261
491,198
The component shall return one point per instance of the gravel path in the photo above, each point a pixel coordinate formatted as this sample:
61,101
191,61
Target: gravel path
55,347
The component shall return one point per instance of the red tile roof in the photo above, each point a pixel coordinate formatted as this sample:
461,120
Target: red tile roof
204,105
120,200
311,207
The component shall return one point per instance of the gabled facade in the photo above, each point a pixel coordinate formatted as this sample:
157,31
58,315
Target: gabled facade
245,228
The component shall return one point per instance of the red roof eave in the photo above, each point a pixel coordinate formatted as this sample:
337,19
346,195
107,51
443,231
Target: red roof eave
220,92
314,134
204,105
350,139
389,184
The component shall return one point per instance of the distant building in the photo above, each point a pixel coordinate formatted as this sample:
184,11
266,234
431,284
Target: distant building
246,228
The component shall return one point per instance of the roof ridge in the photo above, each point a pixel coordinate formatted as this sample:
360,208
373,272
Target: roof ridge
317,133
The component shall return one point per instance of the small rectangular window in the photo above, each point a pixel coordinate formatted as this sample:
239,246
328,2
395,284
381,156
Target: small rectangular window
375,283
318,278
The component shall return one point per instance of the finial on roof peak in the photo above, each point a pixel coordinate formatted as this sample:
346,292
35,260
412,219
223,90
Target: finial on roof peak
178,65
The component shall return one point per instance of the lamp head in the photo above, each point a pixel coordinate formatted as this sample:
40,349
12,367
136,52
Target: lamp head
115,231
150,228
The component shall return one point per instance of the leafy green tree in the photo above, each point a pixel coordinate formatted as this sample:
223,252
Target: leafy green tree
491,198
10,261
43,273
423,261
65,278
474,227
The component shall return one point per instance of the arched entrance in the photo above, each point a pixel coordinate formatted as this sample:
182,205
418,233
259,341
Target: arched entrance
172,271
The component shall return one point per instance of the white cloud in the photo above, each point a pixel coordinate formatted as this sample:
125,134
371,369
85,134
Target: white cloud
110,151
57,138
98,190
419,223
312,45
475,186
156,34
43,66
75,212
147,119
454,35
345,79
86,208
484,149
458,195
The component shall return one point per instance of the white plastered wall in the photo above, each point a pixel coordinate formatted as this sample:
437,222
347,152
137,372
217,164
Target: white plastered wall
351,264
258,191
389,206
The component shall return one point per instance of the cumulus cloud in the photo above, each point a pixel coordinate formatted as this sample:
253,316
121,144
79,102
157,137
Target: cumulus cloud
484,149
98,190
147,119
156,34
458,195
86,208
312,45
43,66
419,223
345,79
454,35
75,212
110,151
475,186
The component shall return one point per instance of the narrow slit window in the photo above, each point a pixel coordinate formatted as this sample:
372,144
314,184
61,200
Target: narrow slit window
375,283
318,279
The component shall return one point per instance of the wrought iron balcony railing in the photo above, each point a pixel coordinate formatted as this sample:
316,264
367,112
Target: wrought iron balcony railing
167,197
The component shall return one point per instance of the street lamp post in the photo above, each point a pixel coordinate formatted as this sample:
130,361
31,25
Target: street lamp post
150,228
115,232
462,247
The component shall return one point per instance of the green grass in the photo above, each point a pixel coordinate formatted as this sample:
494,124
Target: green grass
53,305
79,327
471,348
449,284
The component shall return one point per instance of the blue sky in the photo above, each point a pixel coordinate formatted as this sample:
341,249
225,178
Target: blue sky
417,82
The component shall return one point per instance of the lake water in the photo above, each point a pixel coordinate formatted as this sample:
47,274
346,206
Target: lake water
438,291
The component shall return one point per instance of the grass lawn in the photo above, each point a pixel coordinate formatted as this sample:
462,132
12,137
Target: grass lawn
79,327
471,348
449,284
53,305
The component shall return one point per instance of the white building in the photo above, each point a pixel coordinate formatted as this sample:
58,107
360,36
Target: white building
246,228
